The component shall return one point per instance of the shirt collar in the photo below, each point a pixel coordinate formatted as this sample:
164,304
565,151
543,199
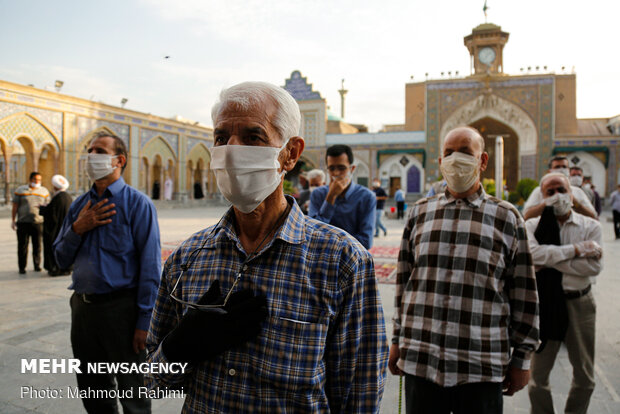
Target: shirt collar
349,191
575,219
111,190
292,231
474,200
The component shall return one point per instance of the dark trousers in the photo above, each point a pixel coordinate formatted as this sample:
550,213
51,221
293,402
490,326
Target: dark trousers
425,397
400,209
27,231
103,332
617,223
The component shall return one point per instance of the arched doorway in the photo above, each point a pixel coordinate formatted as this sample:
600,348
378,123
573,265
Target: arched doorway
189,183
170,177
5,177
413,180
199,180
505,113
144,175
361,173
23,154
198,172
490,129
156,174
47,165
592,167
395,173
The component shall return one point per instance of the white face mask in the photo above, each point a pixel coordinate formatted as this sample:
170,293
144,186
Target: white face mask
576,180
561,203
460,170
246,175
564,171
99,166
35,185
313,187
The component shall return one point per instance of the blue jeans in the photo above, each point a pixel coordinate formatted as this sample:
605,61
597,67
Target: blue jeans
378,223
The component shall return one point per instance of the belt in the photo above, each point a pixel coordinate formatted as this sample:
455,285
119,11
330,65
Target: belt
105,297
574,294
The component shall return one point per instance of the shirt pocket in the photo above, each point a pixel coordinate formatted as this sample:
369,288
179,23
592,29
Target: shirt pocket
293,352
116,238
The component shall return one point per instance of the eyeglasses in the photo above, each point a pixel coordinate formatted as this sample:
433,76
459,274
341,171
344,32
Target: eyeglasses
244,266
339,168
199,306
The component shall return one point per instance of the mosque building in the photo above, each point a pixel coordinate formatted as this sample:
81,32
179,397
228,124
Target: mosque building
535,113
49,132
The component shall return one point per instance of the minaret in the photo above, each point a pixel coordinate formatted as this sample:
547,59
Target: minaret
342,93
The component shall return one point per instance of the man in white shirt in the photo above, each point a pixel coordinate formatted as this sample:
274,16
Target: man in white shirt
578,259
535,205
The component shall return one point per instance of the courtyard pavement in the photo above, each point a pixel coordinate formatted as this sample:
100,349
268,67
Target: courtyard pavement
35,321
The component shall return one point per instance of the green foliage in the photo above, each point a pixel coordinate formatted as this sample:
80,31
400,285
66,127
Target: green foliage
489,186
289,188
514,197
525,186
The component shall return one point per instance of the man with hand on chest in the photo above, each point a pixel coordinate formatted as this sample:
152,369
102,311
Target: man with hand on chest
111,237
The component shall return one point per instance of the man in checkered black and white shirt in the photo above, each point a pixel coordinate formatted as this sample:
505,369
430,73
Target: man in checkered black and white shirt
466,316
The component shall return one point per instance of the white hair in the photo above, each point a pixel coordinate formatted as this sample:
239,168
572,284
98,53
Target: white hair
552,175
248,95
316,173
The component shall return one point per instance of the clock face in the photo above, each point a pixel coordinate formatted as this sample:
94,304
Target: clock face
486,55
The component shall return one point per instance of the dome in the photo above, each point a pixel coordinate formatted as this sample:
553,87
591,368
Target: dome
332,116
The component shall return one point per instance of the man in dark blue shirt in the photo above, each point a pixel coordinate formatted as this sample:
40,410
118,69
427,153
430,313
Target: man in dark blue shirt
343,203
111,237
381,196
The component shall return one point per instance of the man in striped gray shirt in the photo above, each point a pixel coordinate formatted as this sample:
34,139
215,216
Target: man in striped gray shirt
466,316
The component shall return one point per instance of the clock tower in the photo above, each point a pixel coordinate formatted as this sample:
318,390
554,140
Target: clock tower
486,44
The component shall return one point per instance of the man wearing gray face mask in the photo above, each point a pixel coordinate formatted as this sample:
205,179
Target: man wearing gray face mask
465,293
576,255
297,325
111,237
535,204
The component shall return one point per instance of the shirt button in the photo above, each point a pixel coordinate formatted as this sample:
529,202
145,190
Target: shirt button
232,372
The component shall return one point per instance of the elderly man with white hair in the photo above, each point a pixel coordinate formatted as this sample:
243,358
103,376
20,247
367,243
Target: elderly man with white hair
566,250
316,178
53,215
273,311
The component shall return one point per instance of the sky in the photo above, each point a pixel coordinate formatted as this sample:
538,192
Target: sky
114,49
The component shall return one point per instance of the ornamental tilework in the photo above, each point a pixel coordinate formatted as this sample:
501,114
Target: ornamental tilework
88,125
172,139
528,166
310,128
23,124
432,130
526,98
299,87
192,142
452,100
51,119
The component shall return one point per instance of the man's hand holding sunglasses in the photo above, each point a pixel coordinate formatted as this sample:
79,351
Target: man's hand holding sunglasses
204,333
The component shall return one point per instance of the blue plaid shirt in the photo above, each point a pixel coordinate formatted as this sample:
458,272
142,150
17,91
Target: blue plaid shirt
323,346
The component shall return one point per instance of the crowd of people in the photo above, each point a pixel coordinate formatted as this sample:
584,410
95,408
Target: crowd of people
276,307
